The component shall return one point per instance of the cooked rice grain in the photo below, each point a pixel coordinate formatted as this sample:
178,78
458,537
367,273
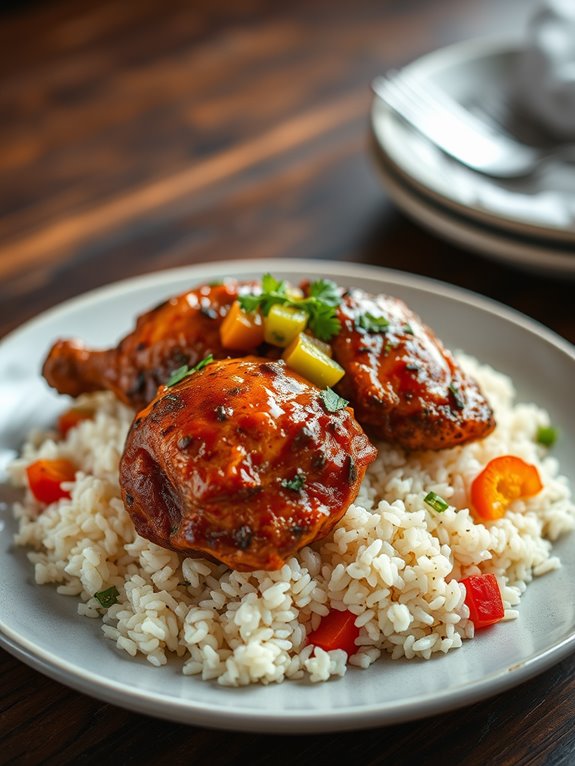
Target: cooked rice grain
391,561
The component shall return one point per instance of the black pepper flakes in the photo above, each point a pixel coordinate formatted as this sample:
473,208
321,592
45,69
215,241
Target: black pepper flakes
456,397
223,413
243,536
319,460
351,470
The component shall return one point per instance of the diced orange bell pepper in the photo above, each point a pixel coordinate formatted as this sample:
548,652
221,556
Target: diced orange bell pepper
241,331
503,480
45,478
483,598
336,630
70,418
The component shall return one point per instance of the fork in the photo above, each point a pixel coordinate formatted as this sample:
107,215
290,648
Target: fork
480,145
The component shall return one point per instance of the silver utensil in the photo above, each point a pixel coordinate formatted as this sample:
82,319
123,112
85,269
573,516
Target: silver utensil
480,145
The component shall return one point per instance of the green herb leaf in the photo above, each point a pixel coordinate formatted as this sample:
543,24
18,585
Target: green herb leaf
408,329
249,303
108,597
370,323
546,436
322,319
178,375
326,291
295,484
435,502
332,401
320,305
272,285
183,372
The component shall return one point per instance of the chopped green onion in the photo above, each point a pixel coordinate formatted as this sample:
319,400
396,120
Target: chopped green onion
436,502
108,597
546,435
332,401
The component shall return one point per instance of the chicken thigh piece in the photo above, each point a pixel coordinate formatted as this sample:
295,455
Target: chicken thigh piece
242,461
182,330
405,387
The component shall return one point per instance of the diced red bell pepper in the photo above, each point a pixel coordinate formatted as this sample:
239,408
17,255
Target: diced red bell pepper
45,478
483,597
72,417
336,630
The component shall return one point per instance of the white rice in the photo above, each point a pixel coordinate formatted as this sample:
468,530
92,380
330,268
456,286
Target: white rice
391,561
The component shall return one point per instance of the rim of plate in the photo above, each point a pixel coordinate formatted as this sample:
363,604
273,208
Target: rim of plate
469,233
427,67
281,720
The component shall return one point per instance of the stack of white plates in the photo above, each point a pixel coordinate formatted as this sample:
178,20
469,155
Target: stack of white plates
529,222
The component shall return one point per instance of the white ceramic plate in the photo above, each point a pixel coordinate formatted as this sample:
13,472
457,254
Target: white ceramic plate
531,254
43,629
478,74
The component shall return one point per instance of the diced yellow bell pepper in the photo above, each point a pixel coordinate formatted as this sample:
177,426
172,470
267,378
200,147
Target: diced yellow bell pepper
294,293
325,347
283,324
304,357
241,331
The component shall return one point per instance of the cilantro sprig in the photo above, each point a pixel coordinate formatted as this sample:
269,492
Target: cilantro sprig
320,304
183,371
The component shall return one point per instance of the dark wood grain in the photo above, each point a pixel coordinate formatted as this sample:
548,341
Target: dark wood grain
140,136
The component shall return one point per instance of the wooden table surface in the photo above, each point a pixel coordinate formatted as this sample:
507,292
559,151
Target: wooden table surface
138,136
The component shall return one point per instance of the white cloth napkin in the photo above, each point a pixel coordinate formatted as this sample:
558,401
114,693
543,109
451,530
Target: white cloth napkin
545,78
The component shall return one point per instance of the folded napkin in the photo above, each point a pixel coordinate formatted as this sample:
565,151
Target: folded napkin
545,76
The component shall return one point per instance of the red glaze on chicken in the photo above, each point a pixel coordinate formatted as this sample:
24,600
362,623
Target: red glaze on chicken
182,330
242,461
405,387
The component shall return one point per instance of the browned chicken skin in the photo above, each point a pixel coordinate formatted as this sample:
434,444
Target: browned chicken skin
404,385
182,330
241,461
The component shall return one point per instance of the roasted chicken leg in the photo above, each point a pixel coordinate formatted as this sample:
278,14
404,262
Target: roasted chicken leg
405,386
182,330
242,461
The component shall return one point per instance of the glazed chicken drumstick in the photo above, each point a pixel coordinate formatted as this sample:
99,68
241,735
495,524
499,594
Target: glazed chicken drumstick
180,331
241,461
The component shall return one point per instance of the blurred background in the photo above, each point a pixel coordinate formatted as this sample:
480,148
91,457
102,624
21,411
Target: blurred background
143,135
